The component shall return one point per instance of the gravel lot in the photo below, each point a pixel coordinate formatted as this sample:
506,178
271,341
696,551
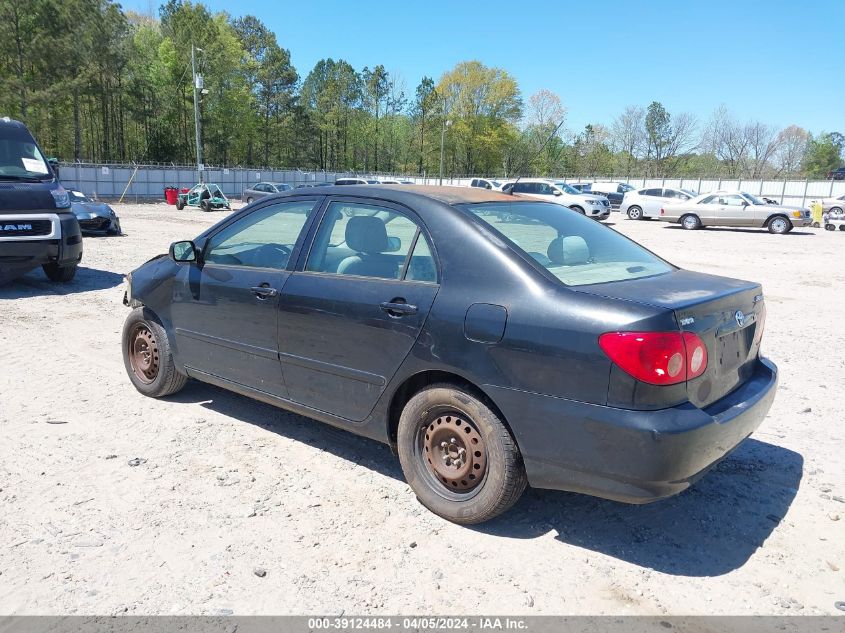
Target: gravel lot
224,488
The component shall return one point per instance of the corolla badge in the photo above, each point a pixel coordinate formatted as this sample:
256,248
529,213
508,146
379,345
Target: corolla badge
740,318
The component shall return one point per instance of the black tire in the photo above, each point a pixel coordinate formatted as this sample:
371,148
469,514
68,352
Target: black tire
829,227
206,205
143,335
779,225
842,227
179,204
61,274
502,477
249,200
635,213
575,207
690,222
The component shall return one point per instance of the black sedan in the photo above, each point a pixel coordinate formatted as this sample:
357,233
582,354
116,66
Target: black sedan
490,354
95,218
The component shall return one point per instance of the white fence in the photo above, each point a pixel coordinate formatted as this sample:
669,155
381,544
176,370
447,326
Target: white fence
147,182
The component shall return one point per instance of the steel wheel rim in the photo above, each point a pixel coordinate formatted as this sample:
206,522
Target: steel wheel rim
453,453
689,222
143,353
778,225
634,213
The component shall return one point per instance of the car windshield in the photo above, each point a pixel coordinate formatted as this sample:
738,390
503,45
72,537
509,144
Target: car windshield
626,188
495,183
20,158
281,186
690,193
575,249
753,199
567,188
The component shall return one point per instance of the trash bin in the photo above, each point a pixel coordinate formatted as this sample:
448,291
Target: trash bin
170,194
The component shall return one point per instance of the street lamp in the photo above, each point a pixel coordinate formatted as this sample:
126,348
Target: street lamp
446,123
198,87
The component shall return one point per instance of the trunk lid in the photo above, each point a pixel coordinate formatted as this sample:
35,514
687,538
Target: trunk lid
727,314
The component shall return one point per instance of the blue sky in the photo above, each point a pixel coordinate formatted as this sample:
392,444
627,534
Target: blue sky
777,62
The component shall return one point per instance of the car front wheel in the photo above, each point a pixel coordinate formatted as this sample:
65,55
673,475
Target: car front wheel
62,274
575,207
458,456
779,226
148,357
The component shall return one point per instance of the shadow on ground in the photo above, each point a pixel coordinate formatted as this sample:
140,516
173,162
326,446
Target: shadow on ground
35,283
708,530
726,229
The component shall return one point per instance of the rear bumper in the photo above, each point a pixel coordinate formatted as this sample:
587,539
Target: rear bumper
626,455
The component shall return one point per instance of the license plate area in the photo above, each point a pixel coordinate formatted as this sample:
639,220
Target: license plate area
733,350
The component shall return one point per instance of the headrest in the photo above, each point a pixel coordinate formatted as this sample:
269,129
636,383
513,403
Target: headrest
569,250
366,234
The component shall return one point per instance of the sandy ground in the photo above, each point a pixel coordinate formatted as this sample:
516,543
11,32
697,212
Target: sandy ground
225,486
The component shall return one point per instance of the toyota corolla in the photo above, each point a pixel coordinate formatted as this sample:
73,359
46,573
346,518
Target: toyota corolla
493,341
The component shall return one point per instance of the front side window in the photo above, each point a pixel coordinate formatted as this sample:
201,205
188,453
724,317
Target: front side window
368,240
733,201
574,248
263,239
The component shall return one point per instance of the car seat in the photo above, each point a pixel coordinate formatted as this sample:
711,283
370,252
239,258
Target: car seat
367,236
570,250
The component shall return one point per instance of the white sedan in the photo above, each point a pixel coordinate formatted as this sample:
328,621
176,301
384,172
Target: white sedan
646,203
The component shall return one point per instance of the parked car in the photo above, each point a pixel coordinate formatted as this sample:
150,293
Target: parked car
356,181
306,185
734,208
596,207
204,195
37,226
583,187
549,350
614,191
486,183
834,206
837,174
646,203
95,218
262,189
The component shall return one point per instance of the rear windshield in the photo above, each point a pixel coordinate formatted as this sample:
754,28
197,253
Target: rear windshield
574,248
20,158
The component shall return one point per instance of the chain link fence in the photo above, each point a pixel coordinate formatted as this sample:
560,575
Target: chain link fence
146,183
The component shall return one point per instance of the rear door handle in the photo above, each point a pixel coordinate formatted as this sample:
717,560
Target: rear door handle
395,308
263,292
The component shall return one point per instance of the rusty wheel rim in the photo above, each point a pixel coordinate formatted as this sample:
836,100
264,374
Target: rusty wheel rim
143,353
454,452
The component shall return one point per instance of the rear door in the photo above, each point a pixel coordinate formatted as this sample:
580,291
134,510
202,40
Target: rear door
351,313
652,201
225,308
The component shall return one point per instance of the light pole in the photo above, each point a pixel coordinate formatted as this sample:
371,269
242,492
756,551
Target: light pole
446,123
198,86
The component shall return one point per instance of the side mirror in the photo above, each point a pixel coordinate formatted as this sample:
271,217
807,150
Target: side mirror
184,251
394,244
745,203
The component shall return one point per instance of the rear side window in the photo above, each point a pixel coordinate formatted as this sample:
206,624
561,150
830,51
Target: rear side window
574,248
653,192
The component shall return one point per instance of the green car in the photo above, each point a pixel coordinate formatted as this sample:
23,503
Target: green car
206,196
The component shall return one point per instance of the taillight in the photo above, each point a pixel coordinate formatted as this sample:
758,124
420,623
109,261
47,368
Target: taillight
760,325
658,358
662,211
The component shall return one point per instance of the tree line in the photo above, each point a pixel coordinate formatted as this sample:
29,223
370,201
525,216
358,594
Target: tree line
96,83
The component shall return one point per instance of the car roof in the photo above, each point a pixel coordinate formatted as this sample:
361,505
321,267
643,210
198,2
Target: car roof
446,194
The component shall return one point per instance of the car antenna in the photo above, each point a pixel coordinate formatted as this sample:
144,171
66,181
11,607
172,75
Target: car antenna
539,151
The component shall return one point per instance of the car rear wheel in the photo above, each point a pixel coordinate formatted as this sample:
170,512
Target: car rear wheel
575,207
829,227
635,213
779,225
206,205
62,274
148,357
180,204
458,456
691,222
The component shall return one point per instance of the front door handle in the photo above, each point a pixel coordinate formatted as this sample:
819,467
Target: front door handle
264,291
398,308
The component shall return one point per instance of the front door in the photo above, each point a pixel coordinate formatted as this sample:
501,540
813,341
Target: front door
225,308
734,210
350,317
